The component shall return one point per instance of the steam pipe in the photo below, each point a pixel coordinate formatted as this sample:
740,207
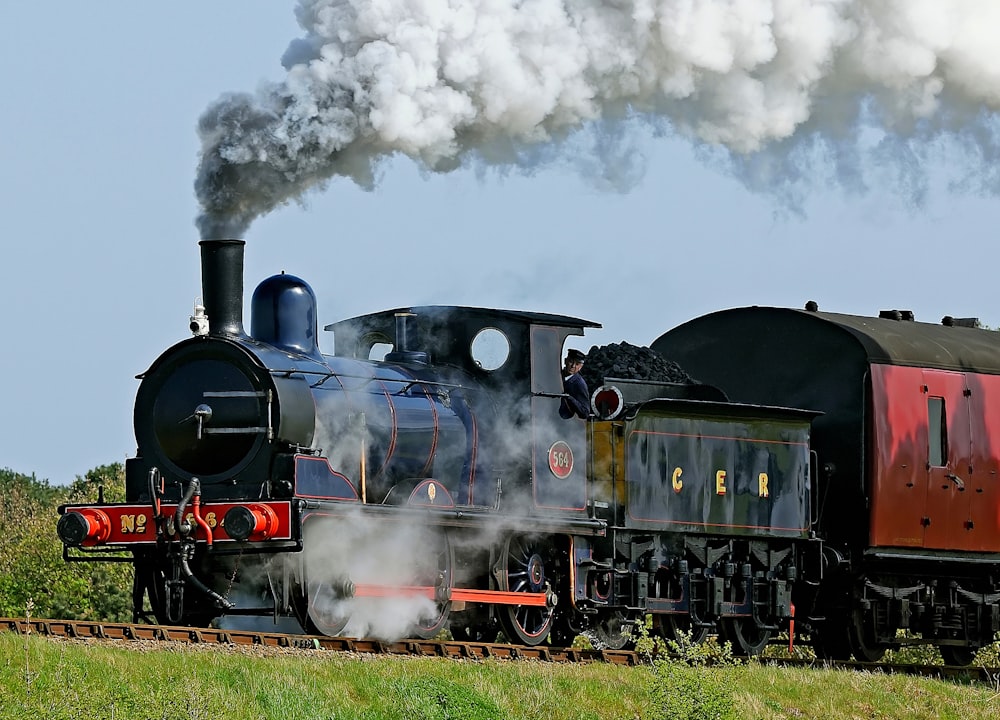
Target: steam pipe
182,525
155,491
186,571
184,528
196,509
222,285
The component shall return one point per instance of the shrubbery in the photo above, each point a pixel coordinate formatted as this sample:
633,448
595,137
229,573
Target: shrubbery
31,563
689,681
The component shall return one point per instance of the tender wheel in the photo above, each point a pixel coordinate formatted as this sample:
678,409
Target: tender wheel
745,635
957,655
435,570
610,632
678,628
864,646
674,626
522,569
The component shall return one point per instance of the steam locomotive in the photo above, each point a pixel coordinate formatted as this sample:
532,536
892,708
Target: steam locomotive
421,478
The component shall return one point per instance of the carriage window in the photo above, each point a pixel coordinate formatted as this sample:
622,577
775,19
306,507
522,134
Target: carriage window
937,432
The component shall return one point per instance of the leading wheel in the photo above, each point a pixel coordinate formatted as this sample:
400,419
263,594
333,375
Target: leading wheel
745,635
197,610
521,569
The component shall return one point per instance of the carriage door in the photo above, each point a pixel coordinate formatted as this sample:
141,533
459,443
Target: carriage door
949,448
984,499
559,446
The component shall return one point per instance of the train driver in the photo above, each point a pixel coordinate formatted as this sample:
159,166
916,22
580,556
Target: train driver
577,400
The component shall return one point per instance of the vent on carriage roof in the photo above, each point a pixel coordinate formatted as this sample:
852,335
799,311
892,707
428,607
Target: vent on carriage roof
896,315
950,321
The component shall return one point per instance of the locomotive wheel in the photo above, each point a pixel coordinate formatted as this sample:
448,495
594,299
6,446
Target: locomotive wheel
610,632
149,582
436,570
327,612
745,635
522,569
957,655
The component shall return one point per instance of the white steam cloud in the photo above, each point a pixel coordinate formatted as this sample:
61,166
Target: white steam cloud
777,88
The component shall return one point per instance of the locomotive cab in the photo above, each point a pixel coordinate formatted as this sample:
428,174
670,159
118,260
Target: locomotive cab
512,360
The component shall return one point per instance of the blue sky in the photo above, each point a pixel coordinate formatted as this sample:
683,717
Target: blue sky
98,150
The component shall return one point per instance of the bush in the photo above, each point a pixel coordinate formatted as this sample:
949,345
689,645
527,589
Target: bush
32,568
688,676
691,692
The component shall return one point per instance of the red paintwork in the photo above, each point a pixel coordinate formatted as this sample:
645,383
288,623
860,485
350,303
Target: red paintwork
131,524
914,504
560,459
472,595
98,525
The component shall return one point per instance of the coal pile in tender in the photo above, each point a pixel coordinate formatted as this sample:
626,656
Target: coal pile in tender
622,360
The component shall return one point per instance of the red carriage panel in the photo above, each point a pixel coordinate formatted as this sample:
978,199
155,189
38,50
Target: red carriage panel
898,457
933,463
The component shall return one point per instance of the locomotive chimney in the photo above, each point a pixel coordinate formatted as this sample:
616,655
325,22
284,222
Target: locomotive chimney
222,285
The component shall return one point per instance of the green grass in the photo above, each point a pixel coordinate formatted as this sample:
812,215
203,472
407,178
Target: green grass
47,678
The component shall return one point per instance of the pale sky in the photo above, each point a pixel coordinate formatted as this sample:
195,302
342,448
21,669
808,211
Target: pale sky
100,255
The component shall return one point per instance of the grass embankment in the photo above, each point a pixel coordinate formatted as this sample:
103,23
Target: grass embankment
47,678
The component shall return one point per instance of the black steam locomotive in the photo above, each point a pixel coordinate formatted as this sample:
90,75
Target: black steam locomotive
421,477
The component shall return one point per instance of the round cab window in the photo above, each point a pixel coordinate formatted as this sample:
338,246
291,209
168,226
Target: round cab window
490,348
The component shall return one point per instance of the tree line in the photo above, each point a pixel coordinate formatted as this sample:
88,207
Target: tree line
34,577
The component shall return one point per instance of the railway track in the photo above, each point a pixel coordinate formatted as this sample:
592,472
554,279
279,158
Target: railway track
80,629
125,632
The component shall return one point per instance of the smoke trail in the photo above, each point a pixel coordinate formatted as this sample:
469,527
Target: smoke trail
776,87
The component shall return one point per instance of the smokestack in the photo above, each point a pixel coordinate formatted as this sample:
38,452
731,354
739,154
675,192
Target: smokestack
222,285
